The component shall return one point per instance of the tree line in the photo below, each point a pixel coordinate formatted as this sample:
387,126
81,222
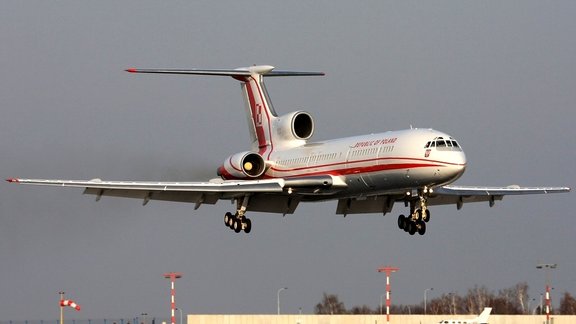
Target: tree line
510,301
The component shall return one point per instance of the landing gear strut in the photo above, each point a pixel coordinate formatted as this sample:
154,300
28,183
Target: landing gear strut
238,222
419,215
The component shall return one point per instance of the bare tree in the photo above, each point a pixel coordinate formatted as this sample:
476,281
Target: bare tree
522,297
513,300
330,305
364,309
567,305
476,299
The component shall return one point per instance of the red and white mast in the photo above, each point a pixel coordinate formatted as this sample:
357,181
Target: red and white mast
172,276
388,270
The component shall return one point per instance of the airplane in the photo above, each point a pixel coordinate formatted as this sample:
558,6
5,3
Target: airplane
364,174
481,319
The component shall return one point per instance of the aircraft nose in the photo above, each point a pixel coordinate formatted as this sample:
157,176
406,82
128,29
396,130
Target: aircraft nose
459,164
461,158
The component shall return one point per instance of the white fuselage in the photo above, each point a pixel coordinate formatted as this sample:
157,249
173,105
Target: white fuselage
394,160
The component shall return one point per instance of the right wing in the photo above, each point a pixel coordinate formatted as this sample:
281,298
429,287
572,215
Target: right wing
270,195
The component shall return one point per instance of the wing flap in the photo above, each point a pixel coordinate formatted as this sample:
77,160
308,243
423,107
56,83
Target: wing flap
375,204
145,196
273,203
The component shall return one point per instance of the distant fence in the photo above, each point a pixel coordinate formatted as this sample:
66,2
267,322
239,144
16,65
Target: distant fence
134,320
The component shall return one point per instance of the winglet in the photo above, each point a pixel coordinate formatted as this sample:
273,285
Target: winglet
13,180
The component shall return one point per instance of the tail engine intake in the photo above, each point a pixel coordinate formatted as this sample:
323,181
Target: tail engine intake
298,125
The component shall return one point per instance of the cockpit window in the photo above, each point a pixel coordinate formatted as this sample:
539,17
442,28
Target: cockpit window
442,144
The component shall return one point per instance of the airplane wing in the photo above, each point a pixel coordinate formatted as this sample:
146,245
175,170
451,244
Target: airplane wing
446,195
459,195
282,195
269,195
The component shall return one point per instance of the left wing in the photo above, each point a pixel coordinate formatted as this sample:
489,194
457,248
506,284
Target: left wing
270,195
463,194
446,195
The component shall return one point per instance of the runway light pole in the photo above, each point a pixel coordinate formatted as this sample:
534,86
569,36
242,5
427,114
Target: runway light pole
278,298
388,270
178,309
172,276
425,300
546,267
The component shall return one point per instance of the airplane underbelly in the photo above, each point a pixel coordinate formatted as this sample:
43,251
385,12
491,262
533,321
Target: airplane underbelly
396,179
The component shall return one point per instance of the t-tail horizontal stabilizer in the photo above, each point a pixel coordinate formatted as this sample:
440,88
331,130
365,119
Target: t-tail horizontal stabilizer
264,70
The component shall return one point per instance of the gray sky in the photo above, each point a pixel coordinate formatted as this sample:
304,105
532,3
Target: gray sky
497,75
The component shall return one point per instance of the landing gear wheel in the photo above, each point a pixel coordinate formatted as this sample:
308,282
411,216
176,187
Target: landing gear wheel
227,218
401,222
231,221
412,228
407,223
247,225
421,227
237,225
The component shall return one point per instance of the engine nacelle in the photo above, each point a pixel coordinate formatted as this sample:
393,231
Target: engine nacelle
298,125
242,165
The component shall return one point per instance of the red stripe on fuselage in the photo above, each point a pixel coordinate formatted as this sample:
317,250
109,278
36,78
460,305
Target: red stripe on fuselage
340,168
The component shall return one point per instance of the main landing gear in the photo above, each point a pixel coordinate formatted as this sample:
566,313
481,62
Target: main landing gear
238,222
419,215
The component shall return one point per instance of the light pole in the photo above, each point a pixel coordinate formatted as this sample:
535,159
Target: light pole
178,309
453,305
545,267
541,295
388,270
278,298
425,301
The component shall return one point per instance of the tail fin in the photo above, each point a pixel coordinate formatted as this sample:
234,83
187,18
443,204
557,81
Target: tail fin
483,317
260,111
